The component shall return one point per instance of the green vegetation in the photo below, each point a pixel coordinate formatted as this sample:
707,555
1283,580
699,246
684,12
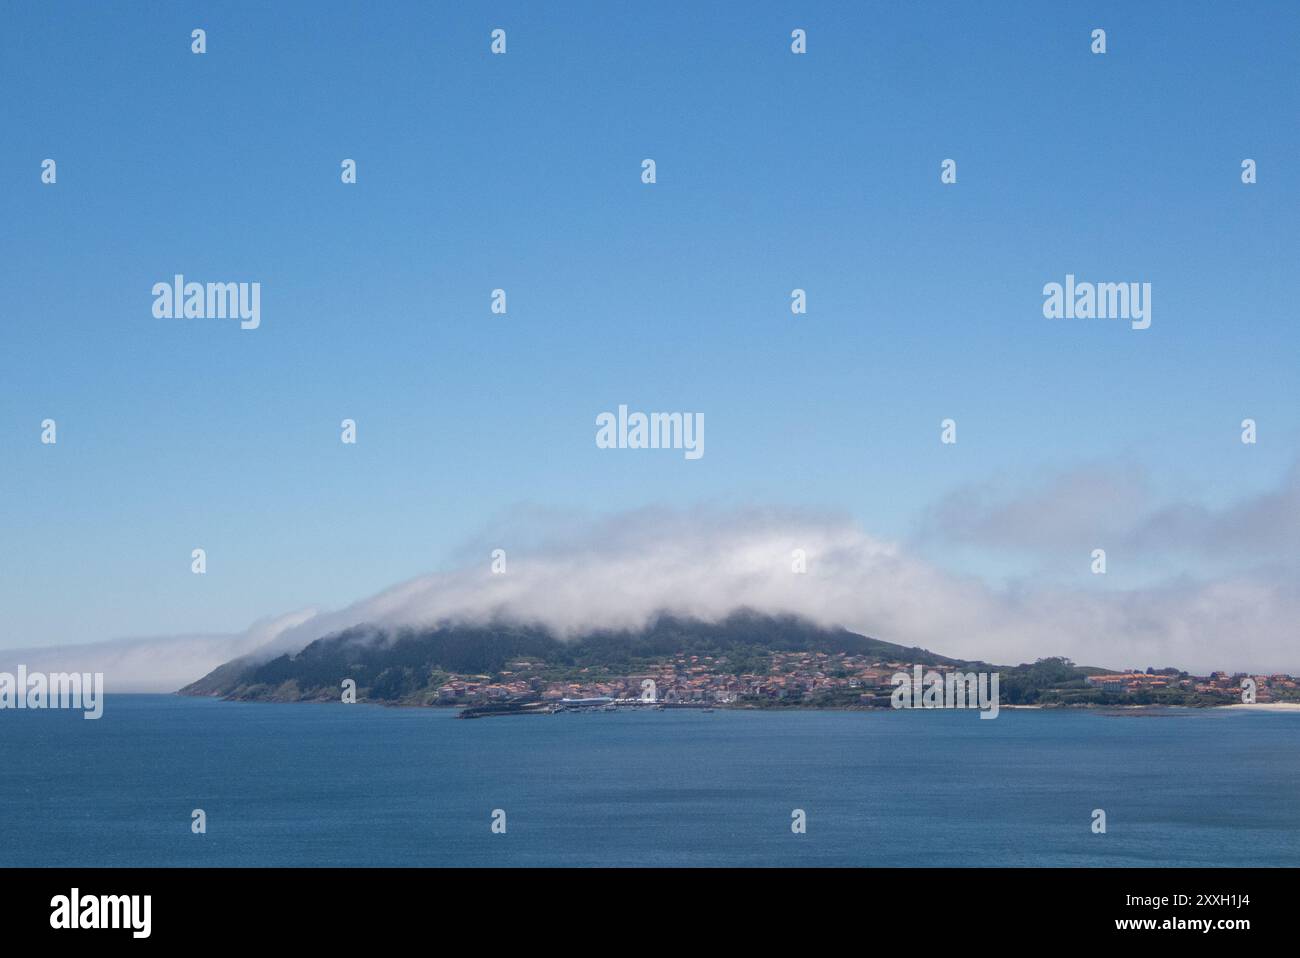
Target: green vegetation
788,662
407,665
1058,681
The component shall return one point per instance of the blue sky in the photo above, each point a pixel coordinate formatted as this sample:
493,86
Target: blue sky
522,172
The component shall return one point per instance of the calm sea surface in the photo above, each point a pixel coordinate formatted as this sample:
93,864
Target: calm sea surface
365,785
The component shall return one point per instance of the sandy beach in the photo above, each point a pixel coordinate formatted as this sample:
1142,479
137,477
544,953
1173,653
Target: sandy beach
1266,706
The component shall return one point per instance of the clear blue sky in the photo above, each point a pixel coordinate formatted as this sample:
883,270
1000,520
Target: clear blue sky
522,171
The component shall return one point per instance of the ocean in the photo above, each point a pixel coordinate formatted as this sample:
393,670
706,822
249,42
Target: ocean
309,784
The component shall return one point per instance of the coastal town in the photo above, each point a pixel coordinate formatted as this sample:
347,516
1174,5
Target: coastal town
840,680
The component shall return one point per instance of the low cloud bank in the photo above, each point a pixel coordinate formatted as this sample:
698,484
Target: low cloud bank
155,664
574,574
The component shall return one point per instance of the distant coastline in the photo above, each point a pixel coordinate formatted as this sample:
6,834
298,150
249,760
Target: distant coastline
1265,706
748,660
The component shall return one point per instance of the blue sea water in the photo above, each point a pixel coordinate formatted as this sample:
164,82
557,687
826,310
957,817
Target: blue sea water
365,785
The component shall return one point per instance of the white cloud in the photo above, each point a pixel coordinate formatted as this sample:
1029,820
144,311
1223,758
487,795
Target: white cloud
155,664
571,574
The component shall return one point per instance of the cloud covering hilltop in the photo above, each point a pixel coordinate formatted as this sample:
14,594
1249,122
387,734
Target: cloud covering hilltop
572,574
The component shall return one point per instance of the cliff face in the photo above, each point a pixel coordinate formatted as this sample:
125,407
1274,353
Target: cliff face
406,665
